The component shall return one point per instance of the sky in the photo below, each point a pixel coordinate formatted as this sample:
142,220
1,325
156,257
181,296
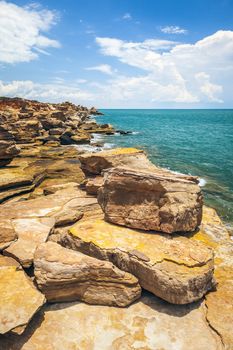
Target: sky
119,53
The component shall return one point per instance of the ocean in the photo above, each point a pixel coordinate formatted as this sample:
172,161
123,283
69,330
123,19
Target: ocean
197,142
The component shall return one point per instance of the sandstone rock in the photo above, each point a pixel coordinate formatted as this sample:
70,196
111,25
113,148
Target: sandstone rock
219,306
7,233
148,324
29,121
67,217
30,232
94,163
177,269
66,275
93,184
151,200
54,188
19,301
8,149
49,206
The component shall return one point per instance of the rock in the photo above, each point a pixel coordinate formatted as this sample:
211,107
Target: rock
151,200
123,132
219,306
94,111
94,163
8,149
79,138
67,217
66,275
30,232
19,301
7,233
176,269
29,121
49,206
93,184
54,188
20,177
148,324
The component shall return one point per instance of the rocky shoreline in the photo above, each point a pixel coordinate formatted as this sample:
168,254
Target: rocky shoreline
103,250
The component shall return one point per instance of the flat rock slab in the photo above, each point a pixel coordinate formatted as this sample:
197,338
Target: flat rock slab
65,275
148,324
151,200
176,269
94,163
30,232
20,300
48,206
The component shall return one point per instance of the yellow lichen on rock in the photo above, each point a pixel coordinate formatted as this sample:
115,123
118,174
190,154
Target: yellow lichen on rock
176,269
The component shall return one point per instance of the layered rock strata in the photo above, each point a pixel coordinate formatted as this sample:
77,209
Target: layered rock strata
177,269
66,275
8,149
31,121
151,200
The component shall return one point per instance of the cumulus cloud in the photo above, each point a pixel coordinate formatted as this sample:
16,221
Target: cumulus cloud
173,72
173,30
54,92
103,68
22,32
163,73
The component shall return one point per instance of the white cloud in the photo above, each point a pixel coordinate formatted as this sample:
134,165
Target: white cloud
103,68
22,32
127,16
162,73
173,30
207,88
54,92
172,72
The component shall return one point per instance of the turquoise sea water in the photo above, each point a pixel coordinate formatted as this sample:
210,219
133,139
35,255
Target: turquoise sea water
197,142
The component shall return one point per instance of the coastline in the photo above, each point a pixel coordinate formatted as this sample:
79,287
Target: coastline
84,234
199,158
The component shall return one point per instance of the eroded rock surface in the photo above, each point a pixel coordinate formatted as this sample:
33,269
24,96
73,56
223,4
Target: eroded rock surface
66,275
149,324
154,200
176,269
19,300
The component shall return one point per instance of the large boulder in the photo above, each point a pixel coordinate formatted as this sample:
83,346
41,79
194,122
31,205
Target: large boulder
176,269
151,200
66,275
20,300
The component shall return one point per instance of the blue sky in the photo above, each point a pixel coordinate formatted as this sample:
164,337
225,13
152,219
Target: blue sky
119,53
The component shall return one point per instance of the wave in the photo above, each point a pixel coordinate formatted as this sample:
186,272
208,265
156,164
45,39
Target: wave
202,182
